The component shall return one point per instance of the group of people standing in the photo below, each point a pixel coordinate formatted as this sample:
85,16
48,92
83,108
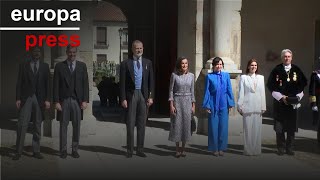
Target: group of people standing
286,83
71,95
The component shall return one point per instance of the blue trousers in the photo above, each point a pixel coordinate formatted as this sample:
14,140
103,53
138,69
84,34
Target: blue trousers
218,130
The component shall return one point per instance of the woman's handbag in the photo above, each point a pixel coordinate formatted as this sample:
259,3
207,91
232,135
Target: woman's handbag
193,124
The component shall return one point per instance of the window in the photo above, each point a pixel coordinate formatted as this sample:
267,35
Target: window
101,58
124,56
101,35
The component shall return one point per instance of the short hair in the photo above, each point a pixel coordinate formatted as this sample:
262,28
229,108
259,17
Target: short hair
136,42
249,63
216,60
69,47
178,64
34,48
285,51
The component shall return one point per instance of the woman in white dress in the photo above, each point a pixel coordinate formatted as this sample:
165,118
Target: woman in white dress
251,105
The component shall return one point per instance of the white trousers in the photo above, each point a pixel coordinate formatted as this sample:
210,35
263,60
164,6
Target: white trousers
252,133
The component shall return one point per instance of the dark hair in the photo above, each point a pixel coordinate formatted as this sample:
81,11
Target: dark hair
69,47
216,60
178,64
249,63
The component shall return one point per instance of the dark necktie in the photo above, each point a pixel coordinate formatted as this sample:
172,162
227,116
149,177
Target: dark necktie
35,67
71,68
138,64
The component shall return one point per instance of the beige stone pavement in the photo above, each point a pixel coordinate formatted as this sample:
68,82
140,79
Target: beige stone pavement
103,156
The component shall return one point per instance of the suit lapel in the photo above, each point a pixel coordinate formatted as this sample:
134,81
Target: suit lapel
144,68
67,73
131,69
29,71
76,70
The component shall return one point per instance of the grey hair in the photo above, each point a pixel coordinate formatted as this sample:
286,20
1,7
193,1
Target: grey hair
285,51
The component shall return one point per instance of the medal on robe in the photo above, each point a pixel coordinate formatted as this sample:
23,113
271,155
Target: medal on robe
294,76
288,74
277,78
280,83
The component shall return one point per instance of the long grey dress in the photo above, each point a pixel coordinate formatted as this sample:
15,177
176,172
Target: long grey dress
181,92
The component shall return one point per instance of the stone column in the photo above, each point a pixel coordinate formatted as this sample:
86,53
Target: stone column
225,37
225,41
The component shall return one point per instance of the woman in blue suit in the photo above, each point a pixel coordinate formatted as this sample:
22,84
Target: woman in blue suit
218,100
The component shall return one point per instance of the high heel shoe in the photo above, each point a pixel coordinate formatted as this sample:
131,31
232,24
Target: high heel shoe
177,155
183,154
221,153
216,153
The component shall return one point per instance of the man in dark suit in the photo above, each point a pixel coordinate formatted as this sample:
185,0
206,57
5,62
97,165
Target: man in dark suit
286,84
314,97
32,98
70,95
136,94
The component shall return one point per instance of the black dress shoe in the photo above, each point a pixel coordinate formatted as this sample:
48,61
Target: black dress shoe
290,152
16,157
183,154
63,154
37,155
141,154
129,155
75,154
280,151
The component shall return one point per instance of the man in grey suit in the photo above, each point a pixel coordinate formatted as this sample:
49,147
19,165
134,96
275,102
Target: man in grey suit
32,98
70,95
136,95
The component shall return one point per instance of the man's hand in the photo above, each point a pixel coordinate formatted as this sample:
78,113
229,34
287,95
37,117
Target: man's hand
58,107
284,99
124,104
18,104
149,102
84,105
209,111
47,104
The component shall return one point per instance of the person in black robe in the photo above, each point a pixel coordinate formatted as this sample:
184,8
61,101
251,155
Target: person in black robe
314,97
286,83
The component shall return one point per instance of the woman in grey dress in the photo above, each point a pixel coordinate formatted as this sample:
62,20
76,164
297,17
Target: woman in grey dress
182,105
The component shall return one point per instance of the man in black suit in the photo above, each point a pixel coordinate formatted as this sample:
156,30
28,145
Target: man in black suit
314,98
32,98
286,83
70,95
136,94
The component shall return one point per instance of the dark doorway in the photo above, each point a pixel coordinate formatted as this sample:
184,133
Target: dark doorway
154,22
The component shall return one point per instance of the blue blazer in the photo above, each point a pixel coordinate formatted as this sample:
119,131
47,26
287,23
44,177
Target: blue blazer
218,92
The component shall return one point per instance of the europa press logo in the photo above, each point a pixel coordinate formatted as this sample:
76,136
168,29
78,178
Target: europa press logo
49,15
